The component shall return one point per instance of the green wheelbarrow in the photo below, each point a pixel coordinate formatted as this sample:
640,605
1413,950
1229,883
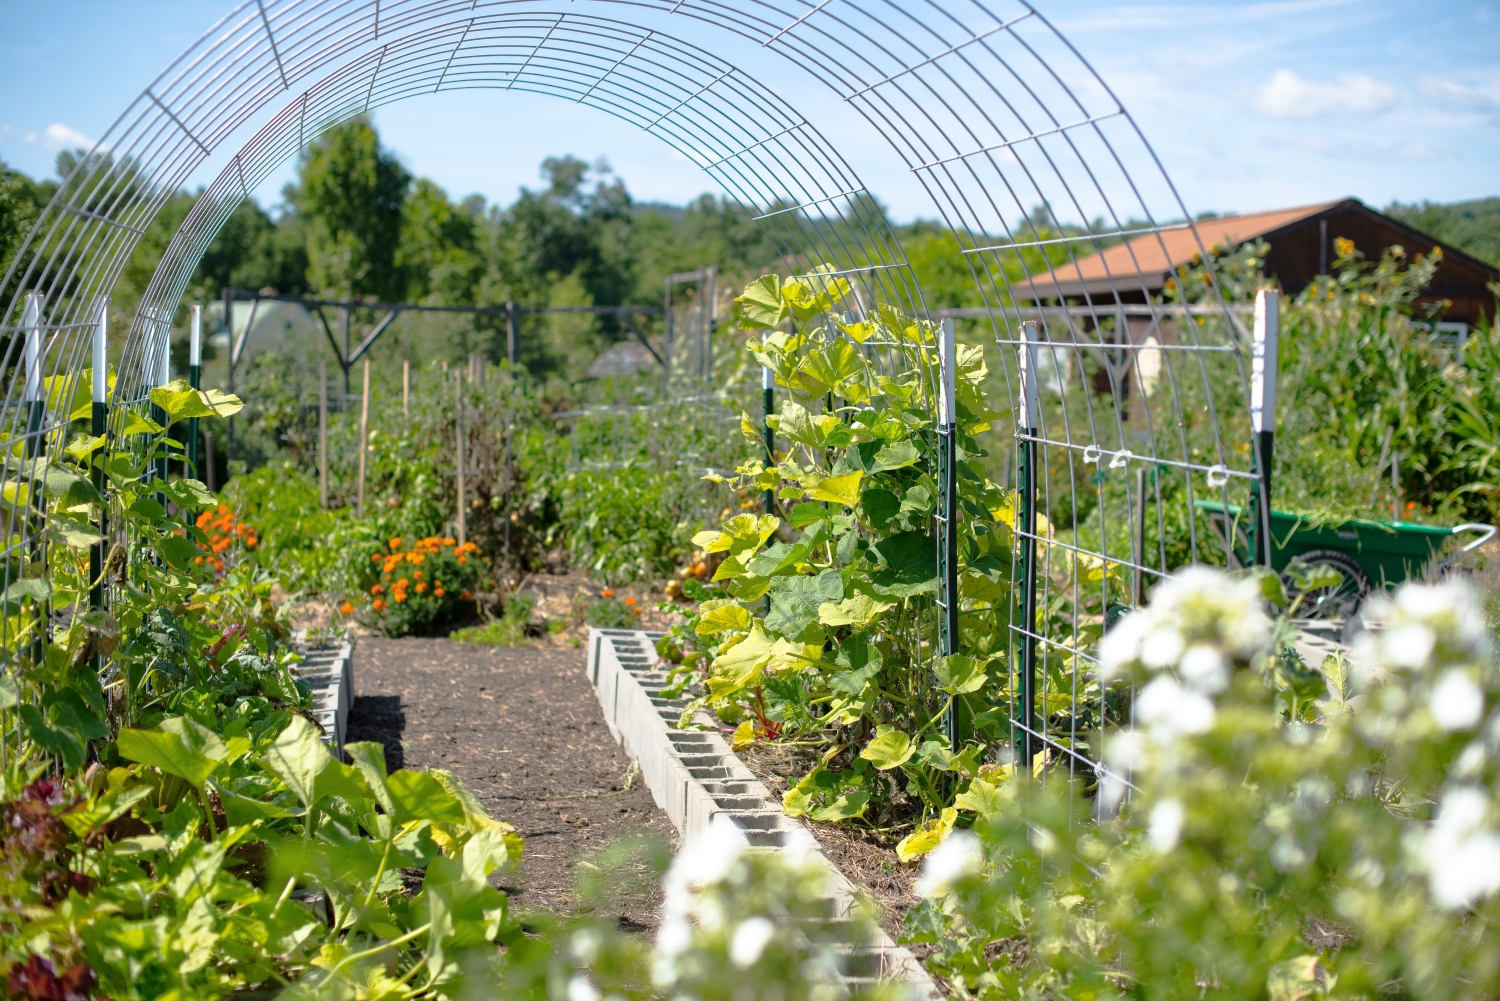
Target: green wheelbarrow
1367,554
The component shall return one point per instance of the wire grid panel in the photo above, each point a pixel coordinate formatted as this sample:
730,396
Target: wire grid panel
1029,158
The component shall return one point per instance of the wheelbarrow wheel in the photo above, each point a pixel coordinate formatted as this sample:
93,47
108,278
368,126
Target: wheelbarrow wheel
1339,601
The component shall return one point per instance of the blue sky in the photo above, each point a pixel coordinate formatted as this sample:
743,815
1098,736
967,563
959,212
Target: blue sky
1249,105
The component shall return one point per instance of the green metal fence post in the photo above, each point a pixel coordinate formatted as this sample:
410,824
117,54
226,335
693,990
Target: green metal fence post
768,401
1030,422
98,426
947,515
1263,372
195,379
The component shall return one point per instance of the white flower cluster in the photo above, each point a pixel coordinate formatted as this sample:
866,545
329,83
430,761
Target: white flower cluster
1433,642
1461,851
1184,644
1196,619
1423,675
958,857
1198,624
712,895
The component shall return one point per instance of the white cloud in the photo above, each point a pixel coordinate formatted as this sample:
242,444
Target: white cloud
1287,95
1481,98
57,137
1343,147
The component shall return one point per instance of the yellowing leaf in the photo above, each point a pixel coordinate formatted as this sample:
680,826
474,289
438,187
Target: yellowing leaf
744,736
982,797
890,749
927,837
742,662
721,616
711,542
761,306
842,489
854,611
1296,979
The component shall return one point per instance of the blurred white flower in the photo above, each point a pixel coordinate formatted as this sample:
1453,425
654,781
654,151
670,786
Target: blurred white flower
1204,669
1161,648
958,856
1126,751
579,989
1122,644
749,941
1461,855
1456,702
1168,710
673,936
708,858
1197,609
1408,645
1165,829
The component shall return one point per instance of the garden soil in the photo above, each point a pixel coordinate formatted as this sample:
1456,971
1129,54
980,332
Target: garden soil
521,728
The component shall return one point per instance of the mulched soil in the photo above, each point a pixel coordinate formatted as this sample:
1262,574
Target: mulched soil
522,730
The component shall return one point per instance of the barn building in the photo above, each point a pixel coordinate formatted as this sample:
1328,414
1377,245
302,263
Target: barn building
1302,247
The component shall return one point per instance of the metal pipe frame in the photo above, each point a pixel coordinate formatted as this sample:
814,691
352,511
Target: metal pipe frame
1022,148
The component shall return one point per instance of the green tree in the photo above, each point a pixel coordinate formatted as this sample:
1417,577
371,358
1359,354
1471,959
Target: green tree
351,194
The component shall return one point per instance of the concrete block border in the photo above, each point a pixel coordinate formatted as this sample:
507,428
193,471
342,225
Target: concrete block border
695,776
329,671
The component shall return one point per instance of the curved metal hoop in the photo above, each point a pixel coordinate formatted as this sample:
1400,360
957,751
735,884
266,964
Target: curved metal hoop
1025,152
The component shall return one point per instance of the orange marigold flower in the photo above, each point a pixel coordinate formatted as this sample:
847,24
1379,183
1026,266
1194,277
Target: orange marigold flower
379,605
416,558
252,542
450,542
417,575
377,589
438,592
395,543
399,597
463,559
465,596
608,592
198,560
377,557
630,601
422,588
347,608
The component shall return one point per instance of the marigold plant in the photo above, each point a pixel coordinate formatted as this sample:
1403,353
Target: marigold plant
420,586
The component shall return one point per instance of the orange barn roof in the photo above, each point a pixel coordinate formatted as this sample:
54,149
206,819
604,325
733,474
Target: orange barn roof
1145,263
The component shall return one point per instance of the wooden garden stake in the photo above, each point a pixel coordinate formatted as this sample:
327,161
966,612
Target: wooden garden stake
364,439
458,397
406,389
323,431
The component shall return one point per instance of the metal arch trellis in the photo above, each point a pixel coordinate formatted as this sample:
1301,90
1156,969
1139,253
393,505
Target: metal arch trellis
983,100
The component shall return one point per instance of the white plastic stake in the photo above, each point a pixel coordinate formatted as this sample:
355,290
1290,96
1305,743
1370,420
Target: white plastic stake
195,338
1030,403
1263,349
31,320
101,356
948,399
164,355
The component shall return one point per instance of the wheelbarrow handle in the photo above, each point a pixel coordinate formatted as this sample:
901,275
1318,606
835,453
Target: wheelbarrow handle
1474,526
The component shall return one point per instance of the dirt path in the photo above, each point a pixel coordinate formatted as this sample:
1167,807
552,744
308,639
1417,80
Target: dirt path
520,728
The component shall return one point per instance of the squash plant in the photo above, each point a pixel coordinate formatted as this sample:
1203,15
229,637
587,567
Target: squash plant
823,630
